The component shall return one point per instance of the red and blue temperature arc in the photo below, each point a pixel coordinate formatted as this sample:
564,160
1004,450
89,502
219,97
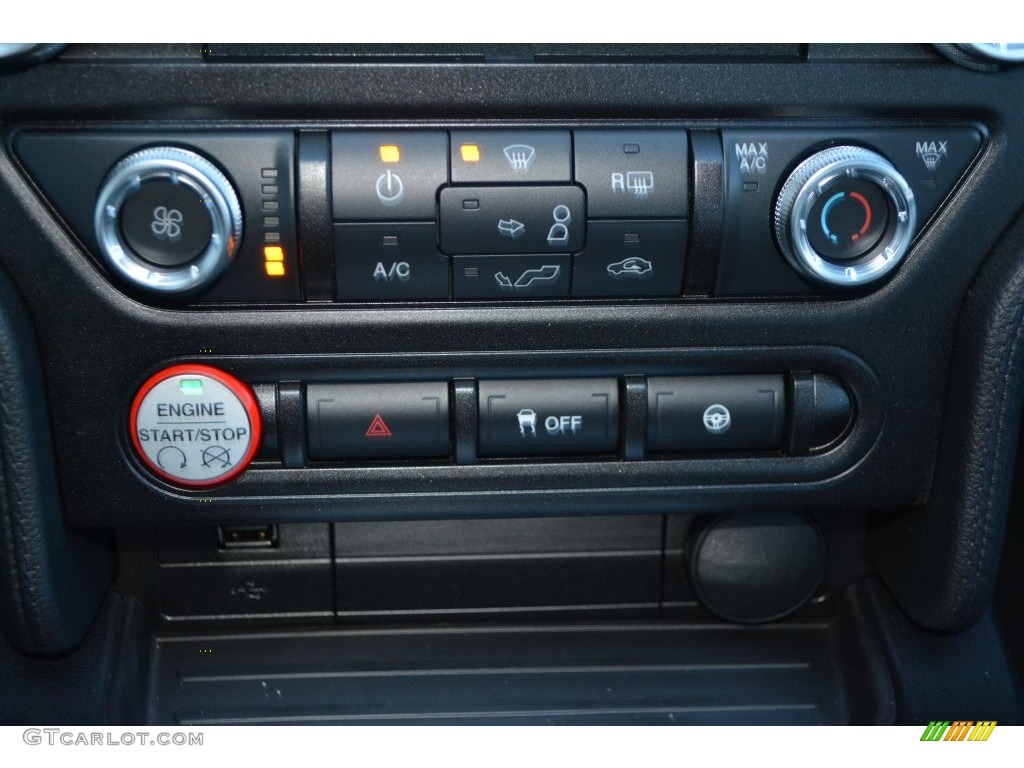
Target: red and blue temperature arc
832,201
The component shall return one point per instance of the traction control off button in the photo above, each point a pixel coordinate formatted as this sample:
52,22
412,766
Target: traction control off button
557,416
195,426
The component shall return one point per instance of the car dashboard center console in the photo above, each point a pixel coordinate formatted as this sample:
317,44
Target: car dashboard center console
590,223
410,362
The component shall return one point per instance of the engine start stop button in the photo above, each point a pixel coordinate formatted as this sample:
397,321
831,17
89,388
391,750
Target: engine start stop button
195,426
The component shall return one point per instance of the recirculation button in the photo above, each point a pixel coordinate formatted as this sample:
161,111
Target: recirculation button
195,426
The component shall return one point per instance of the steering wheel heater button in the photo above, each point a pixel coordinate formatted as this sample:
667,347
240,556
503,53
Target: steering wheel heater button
715,413
195,426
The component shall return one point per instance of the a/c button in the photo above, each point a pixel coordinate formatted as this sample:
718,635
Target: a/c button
389,262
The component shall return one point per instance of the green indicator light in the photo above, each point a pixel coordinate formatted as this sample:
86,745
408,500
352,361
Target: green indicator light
191,386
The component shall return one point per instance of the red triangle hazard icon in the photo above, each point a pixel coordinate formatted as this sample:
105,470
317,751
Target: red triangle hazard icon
378,428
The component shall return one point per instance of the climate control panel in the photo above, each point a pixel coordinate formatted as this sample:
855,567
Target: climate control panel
447,214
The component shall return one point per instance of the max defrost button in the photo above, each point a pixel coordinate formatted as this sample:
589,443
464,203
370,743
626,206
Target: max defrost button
366,421
571,416
195,426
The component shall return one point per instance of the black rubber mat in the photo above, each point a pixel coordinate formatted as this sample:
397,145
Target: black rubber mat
651,673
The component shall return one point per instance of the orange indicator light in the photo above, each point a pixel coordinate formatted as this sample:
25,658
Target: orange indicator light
273,256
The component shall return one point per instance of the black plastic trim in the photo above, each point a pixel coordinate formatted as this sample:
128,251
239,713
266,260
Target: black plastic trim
360,489
313,214
708,200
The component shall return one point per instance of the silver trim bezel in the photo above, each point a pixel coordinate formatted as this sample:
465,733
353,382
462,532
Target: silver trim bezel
179,166
1004,53
814,177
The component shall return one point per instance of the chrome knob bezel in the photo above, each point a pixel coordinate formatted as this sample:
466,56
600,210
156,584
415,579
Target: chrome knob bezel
177,166
812,179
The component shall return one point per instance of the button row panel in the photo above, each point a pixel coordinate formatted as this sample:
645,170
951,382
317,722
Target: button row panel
637,173
469,215
524,418
199,427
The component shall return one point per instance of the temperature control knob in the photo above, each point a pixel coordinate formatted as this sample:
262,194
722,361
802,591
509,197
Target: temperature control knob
168,221
845,217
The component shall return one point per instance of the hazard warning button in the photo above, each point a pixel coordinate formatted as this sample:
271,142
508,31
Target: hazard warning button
195,426
369,421
378,428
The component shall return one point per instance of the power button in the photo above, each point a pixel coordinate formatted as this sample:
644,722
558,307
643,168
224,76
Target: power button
195,426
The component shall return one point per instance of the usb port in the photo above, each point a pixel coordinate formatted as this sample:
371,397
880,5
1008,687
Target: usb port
247,536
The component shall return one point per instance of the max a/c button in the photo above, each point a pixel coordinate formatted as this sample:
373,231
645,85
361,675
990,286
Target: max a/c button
367,421
560,416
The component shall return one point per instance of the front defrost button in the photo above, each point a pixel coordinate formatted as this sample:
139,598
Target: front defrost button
511,157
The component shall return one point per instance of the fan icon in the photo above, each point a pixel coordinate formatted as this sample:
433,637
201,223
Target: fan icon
166,224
